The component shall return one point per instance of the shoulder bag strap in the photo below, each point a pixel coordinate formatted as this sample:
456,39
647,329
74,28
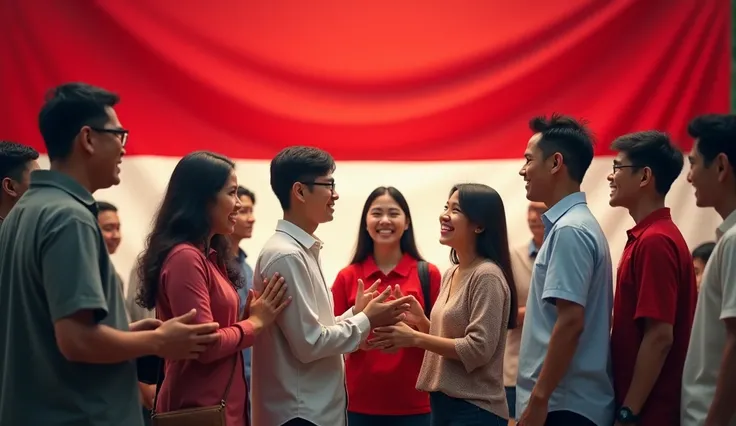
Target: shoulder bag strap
423,270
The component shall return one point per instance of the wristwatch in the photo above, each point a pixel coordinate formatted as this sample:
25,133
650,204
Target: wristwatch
626,416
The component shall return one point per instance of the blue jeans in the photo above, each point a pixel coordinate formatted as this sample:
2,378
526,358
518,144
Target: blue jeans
358,419
511,400
448,411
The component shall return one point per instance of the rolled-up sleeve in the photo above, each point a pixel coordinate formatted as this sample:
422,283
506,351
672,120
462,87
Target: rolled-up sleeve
570,266
728,272
488,296
308,339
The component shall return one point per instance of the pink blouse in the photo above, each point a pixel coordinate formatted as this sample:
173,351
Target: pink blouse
188,280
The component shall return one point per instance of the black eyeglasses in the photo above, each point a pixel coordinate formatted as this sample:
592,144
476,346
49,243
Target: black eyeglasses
622,166
330,185
121,134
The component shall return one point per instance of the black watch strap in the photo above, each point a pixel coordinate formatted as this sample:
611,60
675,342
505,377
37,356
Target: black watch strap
626,416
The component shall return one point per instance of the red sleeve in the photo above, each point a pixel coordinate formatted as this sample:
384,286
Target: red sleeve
184,279
340,294
657,274
435,281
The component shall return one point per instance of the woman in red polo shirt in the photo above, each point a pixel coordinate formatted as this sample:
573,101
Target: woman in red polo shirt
382,385
187,265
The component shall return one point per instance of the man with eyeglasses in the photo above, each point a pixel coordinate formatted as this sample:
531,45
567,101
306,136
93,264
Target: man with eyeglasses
655,297
69,352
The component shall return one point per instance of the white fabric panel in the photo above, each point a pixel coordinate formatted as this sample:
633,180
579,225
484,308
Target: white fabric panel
425,186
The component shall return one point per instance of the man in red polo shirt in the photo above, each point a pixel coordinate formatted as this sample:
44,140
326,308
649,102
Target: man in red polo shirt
656,293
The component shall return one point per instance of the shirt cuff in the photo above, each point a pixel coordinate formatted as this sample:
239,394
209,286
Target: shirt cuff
363,323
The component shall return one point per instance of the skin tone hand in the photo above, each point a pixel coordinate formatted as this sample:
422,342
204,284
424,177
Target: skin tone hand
415,315
264,308
179,339
363,296
146,324
394,337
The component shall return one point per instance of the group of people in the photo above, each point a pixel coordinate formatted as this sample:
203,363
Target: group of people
534,334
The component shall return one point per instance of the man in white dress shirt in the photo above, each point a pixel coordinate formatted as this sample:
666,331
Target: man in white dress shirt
298,372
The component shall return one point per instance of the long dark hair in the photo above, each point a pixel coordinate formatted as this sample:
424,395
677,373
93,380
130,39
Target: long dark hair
364,247
184,218
483,207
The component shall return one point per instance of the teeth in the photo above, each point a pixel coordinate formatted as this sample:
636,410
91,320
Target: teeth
385,231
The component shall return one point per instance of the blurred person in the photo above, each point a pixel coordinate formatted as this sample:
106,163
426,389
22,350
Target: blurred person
565,360
465,336
382,385
16,164
69,352
187,265
709,379
656,293
522,263
300,379
701,254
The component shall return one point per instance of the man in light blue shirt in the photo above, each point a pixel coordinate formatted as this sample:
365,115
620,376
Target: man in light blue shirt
564,373
244,229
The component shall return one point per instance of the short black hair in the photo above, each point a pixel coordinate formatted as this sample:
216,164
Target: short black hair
104,206
716,133
655,150
14,159
245,192
569,137
298,164
704,251
68,108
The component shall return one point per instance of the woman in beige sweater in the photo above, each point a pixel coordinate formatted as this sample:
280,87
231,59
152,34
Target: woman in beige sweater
464,337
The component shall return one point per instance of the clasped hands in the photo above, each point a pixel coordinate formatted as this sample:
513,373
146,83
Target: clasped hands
398,332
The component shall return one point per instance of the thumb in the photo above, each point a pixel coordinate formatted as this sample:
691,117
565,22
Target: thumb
397,292
188,317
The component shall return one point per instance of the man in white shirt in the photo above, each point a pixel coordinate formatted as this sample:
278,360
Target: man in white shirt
298,374
709,376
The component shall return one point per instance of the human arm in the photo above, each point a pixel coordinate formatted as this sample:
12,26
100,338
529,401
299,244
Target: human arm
73,287
657,281
308,339
486,298
569,273
722,409
185,284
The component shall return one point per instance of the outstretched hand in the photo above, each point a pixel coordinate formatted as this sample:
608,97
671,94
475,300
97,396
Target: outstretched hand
363,296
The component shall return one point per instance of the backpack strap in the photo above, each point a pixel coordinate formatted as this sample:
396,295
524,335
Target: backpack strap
423,271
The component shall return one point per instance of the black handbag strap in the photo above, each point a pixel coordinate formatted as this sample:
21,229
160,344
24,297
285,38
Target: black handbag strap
423,271
160,377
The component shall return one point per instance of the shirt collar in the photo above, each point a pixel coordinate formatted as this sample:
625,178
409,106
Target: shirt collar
51,178
241,255
403,268
297,233
650,219
727,224
554,213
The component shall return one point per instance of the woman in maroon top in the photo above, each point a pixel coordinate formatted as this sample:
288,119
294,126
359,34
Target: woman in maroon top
382,385
187,265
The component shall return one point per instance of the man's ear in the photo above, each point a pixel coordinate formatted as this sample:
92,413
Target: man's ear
8,187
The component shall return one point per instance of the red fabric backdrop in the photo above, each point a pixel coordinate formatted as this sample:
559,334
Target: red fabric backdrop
413,80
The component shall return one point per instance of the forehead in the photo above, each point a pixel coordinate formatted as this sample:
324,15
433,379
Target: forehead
108,216
113,117
384,201
620,158
246,200
531,146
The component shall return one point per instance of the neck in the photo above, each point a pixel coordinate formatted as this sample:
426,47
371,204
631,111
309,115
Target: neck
387,257
5,209
726,206
561,191
644,207
306,225
466,257
74,173
234,246
538,240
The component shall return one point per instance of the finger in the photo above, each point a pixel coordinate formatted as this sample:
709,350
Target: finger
383,296
397,292
401,301
280,295
249,298
374,286
277,287
283,305
206,328
270,286
361,286
383,330
206,339
186,318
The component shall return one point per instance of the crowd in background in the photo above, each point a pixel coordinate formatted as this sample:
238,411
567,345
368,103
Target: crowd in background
524,331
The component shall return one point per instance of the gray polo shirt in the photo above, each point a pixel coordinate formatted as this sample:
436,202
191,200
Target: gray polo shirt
53,264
